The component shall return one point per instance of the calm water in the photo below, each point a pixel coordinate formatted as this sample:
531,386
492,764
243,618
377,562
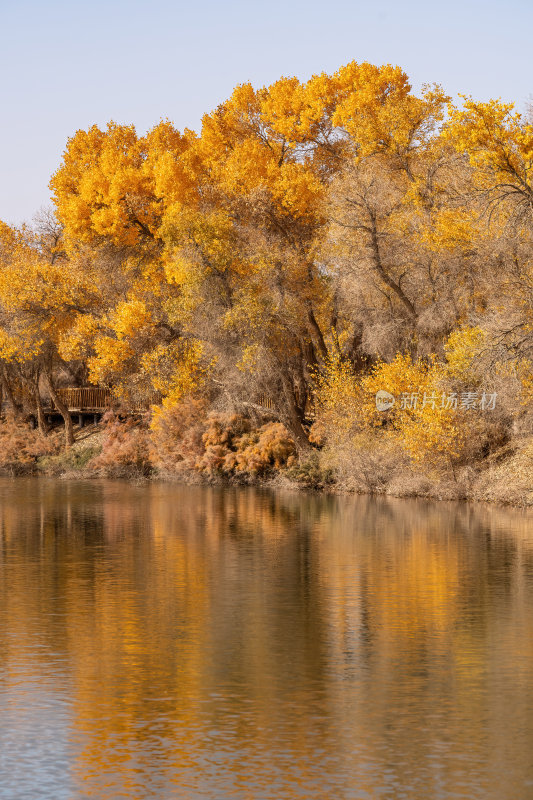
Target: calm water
172,642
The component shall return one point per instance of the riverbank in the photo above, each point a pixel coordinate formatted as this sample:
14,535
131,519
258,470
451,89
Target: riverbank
118,449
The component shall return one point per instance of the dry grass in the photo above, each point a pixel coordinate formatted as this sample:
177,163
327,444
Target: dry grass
508,478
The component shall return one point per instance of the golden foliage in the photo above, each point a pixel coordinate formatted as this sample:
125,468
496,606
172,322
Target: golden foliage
309,230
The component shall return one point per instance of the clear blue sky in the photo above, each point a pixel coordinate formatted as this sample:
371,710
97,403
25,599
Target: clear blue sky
66,64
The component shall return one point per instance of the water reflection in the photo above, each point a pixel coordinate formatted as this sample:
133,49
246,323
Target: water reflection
181,642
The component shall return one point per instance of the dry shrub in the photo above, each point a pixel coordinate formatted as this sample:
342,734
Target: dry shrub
185,437
233,447
21,447
125,449
365,462
408,483
312,472
176,442
509,478
263,450
220,442
485,434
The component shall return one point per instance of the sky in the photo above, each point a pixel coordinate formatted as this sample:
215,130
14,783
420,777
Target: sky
66,65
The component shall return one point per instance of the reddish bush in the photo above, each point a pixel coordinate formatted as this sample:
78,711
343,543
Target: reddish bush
21,447
261,450
176,442
125,449
186,437
232,446
220,441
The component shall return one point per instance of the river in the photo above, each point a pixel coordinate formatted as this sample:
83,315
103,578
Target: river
163,641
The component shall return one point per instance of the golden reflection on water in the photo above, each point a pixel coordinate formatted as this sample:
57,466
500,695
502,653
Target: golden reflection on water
182,642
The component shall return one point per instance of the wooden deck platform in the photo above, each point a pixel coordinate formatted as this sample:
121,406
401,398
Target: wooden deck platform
93,401
87,399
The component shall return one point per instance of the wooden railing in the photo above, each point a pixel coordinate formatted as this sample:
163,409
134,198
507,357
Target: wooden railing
87,398
265,401
98,399
268,402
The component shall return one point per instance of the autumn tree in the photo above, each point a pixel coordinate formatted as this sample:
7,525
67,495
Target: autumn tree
498,142
39,301
340,219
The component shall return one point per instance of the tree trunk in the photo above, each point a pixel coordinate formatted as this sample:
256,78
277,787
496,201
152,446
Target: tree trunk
383,274
63,410
16,408
317,332
41,419
293,419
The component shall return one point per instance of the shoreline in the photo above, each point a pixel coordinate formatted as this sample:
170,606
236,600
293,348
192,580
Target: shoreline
438,493
495,483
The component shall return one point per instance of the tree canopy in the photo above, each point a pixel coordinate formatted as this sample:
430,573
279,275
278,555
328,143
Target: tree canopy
337,223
